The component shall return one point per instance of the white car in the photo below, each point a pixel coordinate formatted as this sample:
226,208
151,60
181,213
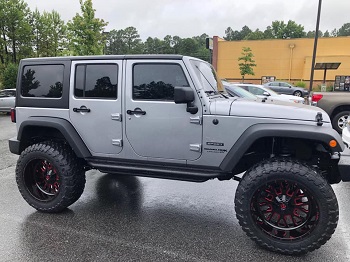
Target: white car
7,100
265,92
346,135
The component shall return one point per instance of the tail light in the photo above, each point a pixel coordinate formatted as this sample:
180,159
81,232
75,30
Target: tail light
316,97
13,115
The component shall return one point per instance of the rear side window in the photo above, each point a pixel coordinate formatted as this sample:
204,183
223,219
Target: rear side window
96,81
157,81
42,81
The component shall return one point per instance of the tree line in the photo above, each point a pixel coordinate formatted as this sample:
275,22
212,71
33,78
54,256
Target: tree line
282,30
30,33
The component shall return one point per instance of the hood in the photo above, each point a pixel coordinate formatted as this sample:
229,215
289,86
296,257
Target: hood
291,97
221,106
268,109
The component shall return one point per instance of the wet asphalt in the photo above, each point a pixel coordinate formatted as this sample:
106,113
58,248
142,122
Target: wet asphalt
120,218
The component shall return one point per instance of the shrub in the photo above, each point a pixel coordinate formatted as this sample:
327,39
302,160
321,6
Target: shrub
329,88
10,76
301,84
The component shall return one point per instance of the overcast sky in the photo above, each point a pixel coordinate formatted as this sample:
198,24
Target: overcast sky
187,18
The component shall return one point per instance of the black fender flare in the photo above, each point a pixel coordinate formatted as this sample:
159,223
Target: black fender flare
63,126
257,131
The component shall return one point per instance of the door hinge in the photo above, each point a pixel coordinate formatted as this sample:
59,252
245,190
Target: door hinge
196,120
196,147
117,117
117,142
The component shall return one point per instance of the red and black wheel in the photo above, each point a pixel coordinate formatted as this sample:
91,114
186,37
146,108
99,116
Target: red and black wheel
49,176
286,206
41,180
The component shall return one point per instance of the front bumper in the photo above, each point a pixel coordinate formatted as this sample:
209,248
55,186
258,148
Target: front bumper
344,165
344,162
346,136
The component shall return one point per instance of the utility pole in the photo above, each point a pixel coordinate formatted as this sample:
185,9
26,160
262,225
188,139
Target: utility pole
315,46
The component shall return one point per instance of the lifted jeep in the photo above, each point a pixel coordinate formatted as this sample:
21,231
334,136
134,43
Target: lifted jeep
166,116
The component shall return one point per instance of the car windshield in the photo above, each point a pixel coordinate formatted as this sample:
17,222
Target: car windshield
239,91
208,77
273,93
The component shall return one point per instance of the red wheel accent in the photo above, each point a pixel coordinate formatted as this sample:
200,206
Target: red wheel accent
42,180
284,210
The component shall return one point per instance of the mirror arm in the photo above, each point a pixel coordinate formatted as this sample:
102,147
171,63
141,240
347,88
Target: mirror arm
192,108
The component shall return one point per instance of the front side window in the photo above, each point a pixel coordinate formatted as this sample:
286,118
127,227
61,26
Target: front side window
96,81
42,81
255,90
157,81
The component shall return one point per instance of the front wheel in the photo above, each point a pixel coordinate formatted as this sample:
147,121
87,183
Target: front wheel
49,176
339,120
286,206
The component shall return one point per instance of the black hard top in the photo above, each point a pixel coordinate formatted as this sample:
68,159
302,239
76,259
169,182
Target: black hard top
103,57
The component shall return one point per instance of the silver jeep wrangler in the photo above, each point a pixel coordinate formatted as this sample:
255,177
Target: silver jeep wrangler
166,116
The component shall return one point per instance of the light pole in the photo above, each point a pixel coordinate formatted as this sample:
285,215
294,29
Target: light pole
315,46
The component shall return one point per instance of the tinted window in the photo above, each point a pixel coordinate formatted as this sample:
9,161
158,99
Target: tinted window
42,81
255,90
96,81
157,81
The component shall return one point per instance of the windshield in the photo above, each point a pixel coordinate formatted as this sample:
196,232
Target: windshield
239,91
207,76
273,93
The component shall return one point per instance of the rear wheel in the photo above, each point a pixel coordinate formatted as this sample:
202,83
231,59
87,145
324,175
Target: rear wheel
49,176
286,206
298,93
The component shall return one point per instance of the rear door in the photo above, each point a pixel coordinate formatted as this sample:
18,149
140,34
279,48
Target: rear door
95,105
277,87
286,89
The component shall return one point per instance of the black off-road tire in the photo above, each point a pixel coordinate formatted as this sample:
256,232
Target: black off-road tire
54,161
339,120
319,193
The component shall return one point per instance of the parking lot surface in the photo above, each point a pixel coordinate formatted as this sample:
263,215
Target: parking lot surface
121,218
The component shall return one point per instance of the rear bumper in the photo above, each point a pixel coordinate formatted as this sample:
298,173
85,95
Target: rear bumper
344,165
14,146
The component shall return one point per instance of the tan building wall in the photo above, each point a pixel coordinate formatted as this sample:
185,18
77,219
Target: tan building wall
287,59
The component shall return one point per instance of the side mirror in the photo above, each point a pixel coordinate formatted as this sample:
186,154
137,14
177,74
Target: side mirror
183,94
266,94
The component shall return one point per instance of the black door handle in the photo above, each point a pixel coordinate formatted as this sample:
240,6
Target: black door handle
82,109
136,111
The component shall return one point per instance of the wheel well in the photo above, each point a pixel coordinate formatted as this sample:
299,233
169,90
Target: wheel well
338,110
35,134
315,153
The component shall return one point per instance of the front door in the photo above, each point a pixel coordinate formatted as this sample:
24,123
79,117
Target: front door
156,127
95,105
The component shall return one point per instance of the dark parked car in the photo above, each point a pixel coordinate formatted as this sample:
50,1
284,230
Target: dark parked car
287,89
